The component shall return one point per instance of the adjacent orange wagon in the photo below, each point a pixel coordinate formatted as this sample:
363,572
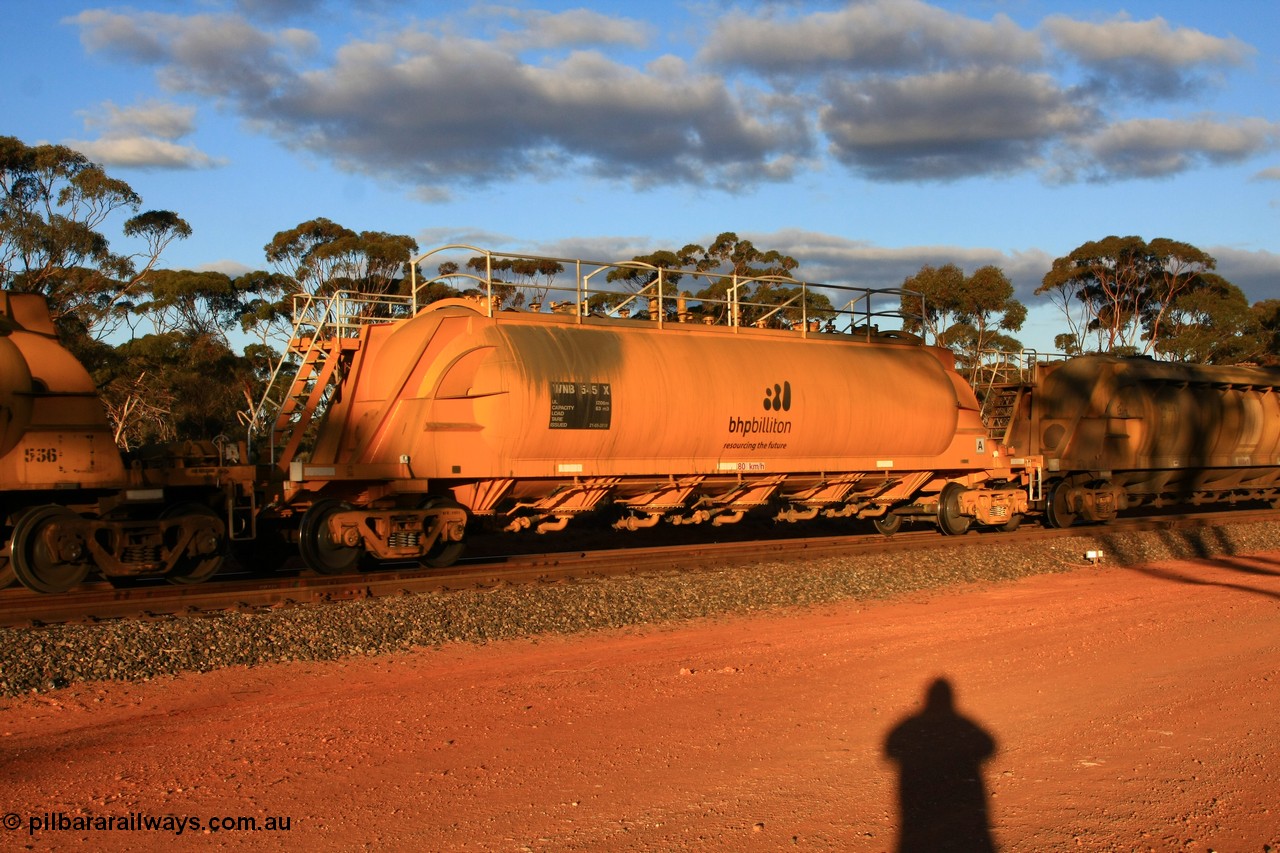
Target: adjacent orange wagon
70,503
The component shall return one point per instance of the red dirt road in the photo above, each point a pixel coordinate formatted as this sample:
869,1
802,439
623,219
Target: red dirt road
1128,710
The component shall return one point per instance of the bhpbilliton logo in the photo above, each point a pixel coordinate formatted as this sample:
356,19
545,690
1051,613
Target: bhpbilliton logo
778,398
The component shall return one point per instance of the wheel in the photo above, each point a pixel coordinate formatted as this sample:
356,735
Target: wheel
950,521
888,524
48,556
443,553
1056,511
1012,524
319,552
197,568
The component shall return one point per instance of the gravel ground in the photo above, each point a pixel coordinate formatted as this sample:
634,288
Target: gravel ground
35,660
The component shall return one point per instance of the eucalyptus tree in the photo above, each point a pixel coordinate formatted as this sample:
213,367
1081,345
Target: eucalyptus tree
968,314
1120,290
54,207
643,273
738,259
320,256
1212,324
726,261
1266,314
518,281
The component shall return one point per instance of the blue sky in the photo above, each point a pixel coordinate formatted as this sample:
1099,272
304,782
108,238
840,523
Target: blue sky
864,138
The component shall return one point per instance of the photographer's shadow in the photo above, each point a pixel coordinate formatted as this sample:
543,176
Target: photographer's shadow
941,795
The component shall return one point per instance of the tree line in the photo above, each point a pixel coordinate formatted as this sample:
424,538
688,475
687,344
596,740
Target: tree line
179,373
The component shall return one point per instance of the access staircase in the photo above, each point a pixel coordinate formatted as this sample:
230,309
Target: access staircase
1002,380
325,335
998,409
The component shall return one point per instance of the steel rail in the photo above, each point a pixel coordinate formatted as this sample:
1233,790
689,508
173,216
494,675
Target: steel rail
99,602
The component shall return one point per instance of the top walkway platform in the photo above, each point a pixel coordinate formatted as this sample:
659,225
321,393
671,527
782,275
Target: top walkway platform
500,282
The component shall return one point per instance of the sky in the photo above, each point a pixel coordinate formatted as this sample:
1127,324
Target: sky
864,138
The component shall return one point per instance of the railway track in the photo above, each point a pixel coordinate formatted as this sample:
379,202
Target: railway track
101,601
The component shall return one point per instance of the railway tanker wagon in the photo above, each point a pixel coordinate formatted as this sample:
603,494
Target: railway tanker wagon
69,505
533,419
55,447
1128,432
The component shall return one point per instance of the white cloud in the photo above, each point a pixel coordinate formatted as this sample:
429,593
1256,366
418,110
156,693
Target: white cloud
452,111
949,125
154,118
575,27
1256,272
143,136
1152,40
140,152
901,89
881,35
1157,147
226,266
1150,57
279,10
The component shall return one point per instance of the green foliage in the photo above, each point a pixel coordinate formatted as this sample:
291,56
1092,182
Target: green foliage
1266,317
727,257
775,304
205,303
728,254
174,385
1067,344
264,302
437,290
1122,289
966,314
646,276
182,379
53,203
321,257
1212,324
517,280
449,283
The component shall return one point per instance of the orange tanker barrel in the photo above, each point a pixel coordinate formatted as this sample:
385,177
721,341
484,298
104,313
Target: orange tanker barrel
61,435
463,395
15,395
